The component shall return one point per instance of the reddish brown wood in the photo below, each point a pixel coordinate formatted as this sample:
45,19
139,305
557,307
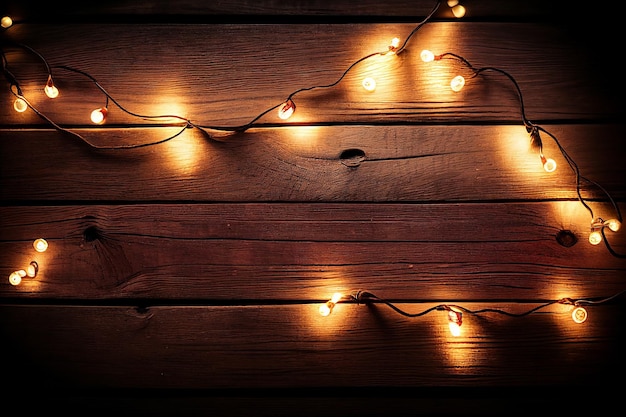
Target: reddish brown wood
278,347
226,75
308,251
350,163
184,278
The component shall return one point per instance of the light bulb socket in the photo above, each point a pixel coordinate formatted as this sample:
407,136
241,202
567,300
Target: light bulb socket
32,269
455,317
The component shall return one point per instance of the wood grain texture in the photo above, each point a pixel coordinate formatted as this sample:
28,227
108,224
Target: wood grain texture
306,252
278,347
226,75
348,163
184,278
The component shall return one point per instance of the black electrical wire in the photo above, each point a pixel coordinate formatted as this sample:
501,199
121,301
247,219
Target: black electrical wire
366,297
534,130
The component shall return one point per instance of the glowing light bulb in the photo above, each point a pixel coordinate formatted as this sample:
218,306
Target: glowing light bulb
286,110
6,22
32,269
369,84
458,11
40,245
457,83
549,164
455,319
393,46
427,56
595,237
98,116
613,224
16,277
579,315
20,105
50,89
327,307
452,3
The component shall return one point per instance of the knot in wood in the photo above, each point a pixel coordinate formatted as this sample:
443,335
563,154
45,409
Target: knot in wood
352,157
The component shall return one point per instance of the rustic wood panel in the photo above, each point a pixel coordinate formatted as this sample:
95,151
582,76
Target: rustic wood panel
307,251
331,163
185,277
277,347
226,75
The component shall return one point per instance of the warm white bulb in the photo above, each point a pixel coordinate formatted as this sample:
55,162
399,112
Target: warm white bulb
51,90
458,11
286,110
579,315
549,165
336,297
6,22
16,277
452,3
32,269
20,105
326,308
455,329
98,116
457,83
427,56
613,224
395,42
369,84
595,237
40,245
455,320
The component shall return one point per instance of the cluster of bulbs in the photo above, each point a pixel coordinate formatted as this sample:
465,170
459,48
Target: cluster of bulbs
288,107
454,313
15,277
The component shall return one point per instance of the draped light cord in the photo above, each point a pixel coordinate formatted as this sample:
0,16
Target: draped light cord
536,142
365,297
239,129
455,312
288,106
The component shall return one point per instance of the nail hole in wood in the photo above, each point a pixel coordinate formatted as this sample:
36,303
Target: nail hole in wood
352,157
566,238
91,233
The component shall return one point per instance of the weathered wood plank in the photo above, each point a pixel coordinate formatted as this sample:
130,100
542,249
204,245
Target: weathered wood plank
308,251
226,75
292,346
351,163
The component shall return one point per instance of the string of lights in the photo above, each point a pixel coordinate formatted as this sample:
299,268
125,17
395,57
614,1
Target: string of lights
598,224
455,312
287,107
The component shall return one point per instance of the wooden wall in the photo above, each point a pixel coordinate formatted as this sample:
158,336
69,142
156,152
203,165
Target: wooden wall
185,277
